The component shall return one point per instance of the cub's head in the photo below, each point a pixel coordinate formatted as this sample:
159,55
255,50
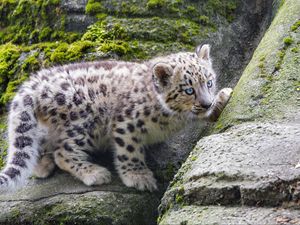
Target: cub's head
186,82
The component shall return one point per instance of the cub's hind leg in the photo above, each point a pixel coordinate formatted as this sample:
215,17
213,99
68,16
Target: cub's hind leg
71,157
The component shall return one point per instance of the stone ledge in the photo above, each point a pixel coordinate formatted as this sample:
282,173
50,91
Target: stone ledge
217,215
64,200
250,164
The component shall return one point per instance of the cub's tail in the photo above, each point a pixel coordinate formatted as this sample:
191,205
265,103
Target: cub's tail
23,140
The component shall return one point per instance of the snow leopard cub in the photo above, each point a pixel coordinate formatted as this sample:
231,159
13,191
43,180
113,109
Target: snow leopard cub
63,114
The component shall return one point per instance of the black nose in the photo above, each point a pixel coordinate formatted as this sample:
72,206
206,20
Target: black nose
206,105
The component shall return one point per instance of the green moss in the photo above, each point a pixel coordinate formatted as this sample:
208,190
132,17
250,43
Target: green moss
42,18
93,7
288,41
9,54
153,4
143,31
70,53
295,26
204,20
45,34
3,142
179,198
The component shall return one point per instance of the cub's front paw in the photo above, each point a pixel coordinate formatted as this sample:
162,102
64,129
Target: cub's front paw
224,95
141,180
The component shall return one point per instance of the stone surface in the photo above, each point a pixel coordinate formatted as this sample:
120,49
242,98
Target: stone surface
250,155
202,215
64,200
250,164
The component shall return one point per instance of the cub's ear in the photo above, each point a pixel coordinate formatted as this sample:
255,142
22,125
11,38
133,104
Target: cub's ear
162,73
203,52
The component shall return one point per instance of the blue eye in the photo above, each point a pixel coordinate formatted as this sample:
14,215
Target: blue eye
189,91
209,83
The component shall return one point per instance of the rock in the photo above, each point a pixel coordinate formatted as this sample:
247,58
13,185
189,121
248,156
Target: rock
64,200
250,164
196,215
250,157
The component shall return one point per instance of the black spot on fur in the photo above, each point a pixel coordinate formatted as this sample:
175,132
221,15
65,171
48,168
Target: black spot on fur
12,172
70,133
91,94
63,116
60,98
25,116
53,112
154,119
22,142
79,142
103,89
128,111
45,78
80,81
147,111
120,141
140,123
77,99
67,147
3,179
19,159
93,79
165,114
120,118
88,108
34,86
120,131
73,116
135,160
23,127
122,158
101,111
27,101
144,130
137,114
130,127
65,86
83,114
130,148
135,140
53,120
44,95
79,129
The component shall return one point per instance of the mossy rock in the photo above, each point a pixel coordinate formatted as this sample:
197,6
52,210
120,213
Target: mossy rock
268,88
63,200
249,157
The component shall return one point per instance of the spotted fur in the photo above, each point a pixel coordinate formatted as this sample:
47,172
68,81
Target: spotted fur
63,114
